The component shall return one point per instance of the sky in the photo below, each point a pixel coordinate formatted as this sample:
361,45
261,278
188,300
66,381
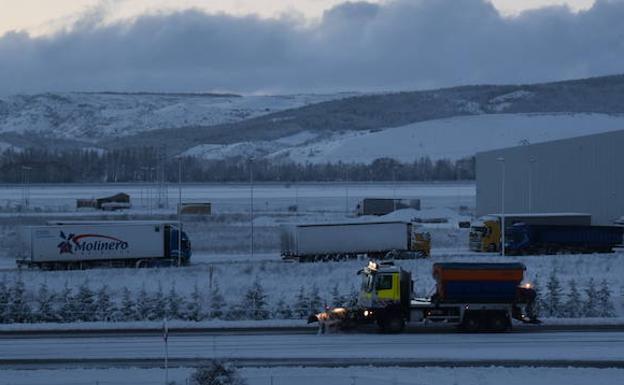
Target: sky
286,46
44,16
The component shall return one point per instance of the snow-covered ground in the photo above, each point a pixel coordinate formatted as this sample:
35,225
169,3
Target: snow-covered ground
221,242
364,375
452,138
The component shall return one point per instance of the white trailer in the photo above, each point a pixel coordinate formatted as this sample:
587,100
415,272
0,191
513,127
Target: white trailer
314,242
82,244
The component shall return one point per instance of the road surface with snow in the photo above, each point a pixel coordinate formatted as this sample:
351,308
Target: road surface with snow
597,349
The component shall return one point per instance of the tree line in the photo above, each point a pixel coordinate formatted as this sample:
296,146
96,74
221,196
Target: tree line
36,165
84,304
592,301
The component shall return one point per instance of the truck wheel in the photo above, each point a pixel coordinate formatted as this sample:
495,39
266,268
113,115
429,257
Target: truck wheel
392,324
471,323
499,323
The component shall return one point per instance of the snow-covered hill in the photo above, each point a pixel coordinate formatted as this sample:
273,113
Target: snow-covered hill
452,138
90,117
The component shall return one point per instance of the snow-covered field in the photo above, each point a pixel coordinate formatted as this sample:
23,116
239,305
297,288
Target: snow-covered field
452,138
221,242
363,375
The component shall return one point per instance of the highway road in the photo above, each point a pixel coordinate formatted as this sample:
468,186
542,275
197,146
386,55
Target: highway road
592,349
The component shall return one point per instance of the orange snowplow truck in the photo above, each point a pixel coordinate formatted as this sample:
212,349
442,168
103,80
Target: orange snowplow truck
471,296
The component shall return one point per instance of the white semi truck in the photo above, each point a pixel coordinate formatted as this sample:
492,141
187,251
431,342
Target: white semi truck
339,241
75,245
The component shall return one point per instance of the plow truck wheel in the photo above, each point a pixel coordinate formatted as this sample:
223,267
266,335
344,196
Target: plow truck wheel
392,323
471,323
499,322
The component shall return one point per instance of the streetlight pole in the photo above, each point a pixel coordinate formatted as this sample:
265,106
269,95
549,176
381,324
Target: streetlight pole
502,161
346,192
531,163
394,198
26,180
251,204
179,211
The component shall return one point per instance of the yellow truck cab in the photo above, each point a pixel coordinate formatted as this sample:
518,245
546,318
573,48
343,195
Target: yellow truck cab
385,294
485,235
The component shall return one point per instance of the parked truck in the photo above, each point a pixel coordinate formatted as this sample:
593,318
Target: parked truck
383,206
76,244
471,296
485,233
524,239
338,241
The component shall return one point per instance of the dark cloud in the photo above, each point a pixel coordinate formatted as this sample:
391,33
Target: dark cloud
402,44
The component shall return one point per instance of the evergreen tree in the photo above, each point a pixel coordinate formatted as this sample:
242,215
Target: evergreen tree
175,304
217,302
301,307
4,300
316,303
352,297
128,306
67,312
85,301
19,309
553,298
45,305
336,298
604,302
104,307
590,308
143,305
195,308
573,305
254,302
282,310
158,305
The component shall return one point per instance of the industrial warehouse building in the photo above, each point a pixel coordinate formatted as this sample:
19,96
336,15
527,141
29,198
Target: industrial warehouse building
582,175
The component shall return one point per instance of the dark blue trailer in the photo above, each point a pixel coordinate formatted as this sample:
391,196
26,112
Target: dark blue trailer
523,239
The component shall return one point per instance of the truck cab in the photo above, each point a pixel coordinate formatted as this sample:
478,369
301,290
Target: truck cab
485,235
172,245
385,295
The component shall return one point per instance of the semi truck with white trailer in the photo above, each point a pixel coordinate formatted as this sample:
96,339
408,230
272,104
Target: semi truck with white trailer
339,241
485,233
76,245
471,296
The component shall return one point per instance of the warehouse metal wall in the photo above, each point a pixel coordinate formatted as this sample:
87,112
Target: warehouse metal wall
584,175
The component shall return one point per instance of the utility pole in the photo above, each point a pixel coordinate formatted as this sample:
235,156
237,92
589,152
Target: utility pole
502,161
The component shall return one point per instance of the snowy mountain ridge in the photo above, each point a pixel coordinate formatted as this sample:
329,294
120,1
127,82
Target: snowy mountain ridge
344,127
91,117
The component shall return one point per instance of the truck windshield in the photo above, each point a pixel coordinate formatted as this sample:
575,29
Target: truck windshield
384,282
